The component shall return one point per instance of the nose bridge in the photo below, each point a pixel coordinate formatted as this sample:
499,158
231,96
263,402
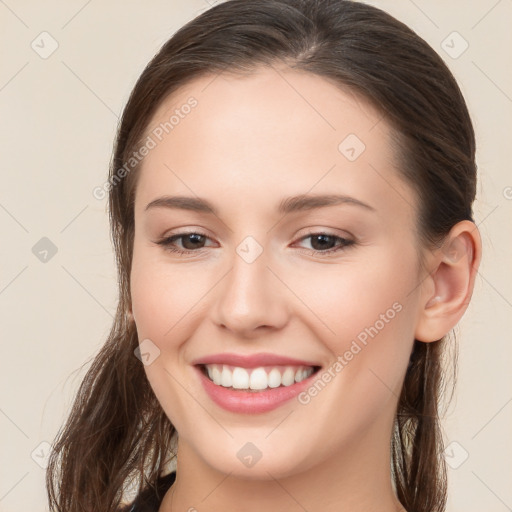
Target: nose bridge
250,297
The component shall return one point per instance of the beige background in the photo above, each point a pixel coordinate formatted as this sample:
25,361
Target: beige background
59,116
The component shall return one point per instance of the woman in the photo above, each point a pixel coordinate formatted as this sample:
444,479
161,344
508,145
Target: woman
291,208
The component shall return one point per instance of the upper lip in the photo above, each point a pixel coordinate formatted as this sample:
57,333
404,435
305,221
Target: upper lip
252,360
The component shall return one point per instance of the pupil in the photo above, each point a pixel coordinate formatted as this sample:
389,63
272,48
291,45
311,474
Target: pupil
195,238
324,240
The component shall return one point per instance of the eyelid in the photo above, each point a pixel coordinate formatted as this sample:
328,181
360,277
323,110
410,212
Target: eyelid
184,232
328,231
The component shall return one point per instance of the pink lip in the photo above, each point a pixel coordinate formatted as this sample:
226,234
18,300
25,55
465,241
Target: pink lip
252,361
251,402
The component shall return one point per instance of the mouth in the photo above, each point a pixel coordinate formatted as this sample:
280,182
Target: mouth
262,378
253,383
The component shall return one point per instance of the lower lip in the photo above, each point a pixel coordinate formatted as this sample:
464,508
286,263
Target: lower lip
252,402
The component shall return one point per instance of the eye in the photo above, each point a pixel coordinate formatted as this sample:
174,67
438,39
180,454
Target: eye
327,243
322,243
191,242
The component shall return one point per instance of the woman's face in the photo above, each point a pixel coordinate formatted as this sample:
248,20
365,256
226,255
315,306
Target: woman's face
277,267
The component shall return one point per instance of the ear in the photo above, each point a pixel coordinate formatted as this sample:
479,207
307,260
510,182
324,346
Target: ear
447,291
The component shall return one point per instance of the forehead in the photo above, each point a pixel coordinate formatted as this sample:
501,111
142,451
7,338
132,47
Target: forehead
275,130
226,100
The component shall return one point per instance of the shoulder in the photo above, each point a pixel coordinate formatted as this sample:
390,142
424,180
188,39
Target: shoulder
150,499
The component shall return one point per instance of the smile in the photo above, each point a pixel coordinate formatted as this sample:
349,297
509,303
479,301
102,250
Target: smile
256,379
253,390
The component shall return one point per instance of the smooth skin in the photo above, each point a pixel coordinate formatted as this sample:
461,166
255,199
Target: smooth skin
250,143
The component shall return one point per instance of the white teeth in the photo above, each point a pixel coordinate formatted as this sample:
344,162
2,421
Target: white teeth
288,377
240,378
274,378
217,375
226,378
259,379
256,378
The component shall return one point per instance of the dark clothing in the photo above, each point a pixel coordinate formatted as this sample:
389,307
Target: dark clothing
150,500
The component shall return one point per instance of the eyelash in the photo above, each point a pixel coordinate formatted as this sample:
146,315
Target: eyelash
168,242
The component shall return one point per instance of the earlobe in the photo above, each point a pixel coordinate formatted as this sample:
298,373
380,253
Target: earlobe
452,280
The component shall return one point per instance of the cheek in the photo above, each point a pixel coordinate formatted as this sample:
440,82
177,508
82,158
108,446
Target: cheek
369,311
163,308
163,296
358,294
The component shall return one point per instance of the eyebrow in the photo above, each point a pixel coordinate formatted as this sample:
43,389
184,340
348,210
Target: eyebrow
298,203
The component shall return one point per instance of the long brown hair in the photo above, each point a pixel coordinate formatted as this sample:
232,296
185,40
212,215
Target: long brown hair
117,431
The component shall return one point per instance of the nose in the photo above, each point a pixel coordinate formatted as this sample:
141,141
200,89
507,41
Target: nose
250,299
